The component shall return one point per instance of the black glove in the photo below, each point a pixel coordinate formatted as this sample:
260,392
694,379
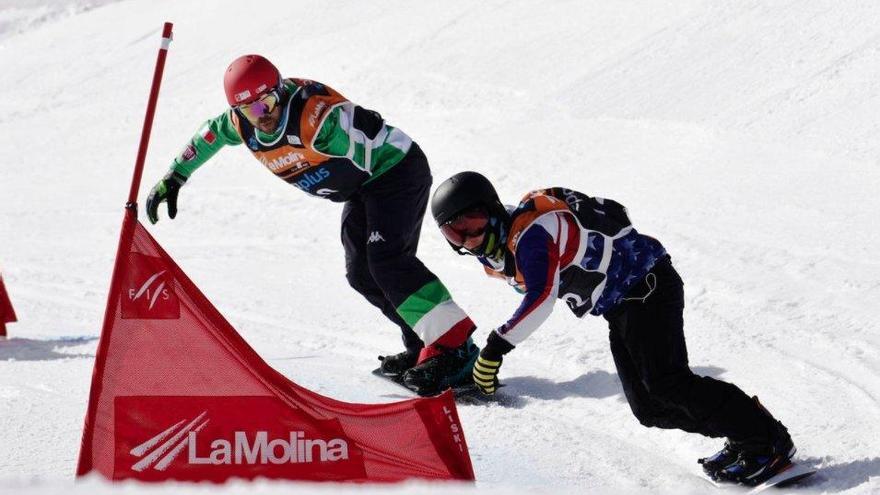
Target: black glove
489,363
165,190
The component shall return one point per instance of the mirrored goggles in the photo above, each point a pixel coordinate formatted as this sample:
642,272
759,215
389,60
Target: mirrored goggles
261,106
467,229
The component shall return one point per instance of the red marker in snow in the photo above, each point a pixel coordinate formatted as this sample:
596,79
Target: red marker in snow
7,314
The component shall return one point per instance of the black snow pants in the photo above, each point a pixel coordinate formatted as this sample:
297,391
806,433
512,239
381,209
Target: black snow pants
648,345
381,224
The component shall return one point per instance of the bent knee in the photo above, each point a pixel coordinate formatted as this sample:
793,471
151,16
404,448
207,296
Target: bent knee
670,387
359,278
645,415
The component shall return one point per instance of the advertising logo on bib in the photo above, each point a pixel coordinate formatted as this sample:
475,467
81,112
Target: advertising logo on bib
309,180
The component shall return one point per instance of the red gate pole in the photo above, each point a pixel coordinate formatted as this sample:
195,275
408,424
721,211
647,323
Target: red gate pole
126,237
148,118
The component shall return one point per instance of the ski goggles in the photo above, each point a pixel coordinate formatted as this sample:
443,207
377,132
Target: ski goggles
261,106
467,230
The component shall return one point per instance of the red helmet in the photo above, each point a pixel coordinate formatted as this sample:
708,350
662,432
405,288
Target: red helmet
248,77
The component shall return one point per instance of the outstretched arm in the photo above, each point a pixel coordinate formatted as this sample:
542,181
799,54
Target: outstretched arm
537,257
213,135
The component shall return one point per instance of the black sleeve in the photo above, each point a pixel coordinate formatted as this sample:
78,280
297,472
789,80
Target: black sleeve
496,347
367,121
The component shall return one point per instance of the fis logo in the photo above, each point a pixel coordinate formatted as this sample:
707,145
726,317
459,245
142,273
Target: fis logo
308,180
148,292
151,295
244,448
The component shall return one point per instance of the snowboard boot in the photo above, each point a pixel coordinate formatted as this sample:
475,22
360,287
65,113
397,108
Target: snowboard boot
753,461
396,364
448,369
727,456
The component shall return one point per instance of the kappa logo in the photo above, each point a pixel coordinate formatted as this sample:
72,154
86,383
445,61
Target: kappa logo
150,293
160,451
375,236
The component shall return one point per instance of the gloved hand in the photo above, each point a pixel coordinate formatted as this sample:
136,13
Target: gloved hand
486,374
165,190
489,363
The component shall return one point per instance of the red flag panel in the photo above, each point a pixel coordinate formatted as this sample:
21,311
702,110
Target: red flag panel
7,314
178,394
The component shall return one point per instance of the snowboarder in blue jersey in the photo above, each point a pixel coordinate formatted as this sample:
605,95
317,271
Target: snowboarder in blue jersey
562,244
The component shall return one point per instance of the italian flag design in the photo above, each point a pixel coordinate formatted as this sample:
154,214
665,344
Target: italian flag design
436,319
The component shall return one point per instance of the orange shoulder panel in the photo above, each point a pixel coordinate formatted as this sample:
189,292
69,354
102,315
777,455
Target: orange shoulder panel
540,204
315,109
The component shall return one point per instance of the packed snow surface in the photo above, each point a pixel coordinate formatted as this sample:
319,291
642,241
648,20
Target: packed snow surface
744,135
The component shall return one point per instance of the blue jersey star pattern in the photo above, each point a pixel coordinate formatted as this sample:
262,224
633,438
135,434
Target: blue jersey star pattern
632,257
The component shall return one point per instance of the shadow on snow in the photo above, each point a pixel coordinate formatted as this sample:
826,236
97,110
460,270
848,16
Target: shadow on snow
843,476
44,350
597,384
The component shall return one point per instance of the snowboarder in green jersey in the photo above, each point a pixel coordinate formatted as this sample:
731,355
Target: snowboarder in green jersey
313,138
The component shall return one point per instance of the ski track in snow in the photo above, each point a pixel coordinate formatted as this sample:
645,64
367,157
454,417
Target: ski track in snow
742,134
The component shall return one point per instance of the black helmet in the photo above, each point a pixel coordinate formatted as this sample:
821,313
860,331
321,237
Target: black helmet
465,191
461,192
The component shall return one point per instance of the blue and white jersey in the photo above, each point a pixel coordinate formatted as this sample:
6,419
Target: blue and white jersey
566,245
623,260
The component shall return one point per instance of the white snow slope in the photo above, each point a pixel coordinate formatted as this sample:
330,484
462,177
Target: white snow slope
742,134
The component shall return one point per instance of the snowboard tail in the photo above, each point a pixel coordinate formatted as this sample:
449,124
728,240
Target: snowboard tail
792,473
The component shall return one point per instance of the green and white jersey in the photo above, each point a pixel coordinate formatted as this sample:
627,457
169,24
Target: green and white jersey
325,145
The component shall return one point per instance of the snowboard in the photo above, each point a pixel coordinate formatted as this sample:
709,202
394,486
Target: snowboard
466,392
789,475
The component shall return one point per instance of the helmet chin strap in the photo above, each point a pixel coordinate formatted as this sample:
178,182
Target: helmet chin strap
494,247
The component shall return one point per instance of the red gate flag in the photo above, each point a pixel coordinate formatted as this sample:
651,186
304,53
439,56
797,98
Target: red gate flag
7,314
178,394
